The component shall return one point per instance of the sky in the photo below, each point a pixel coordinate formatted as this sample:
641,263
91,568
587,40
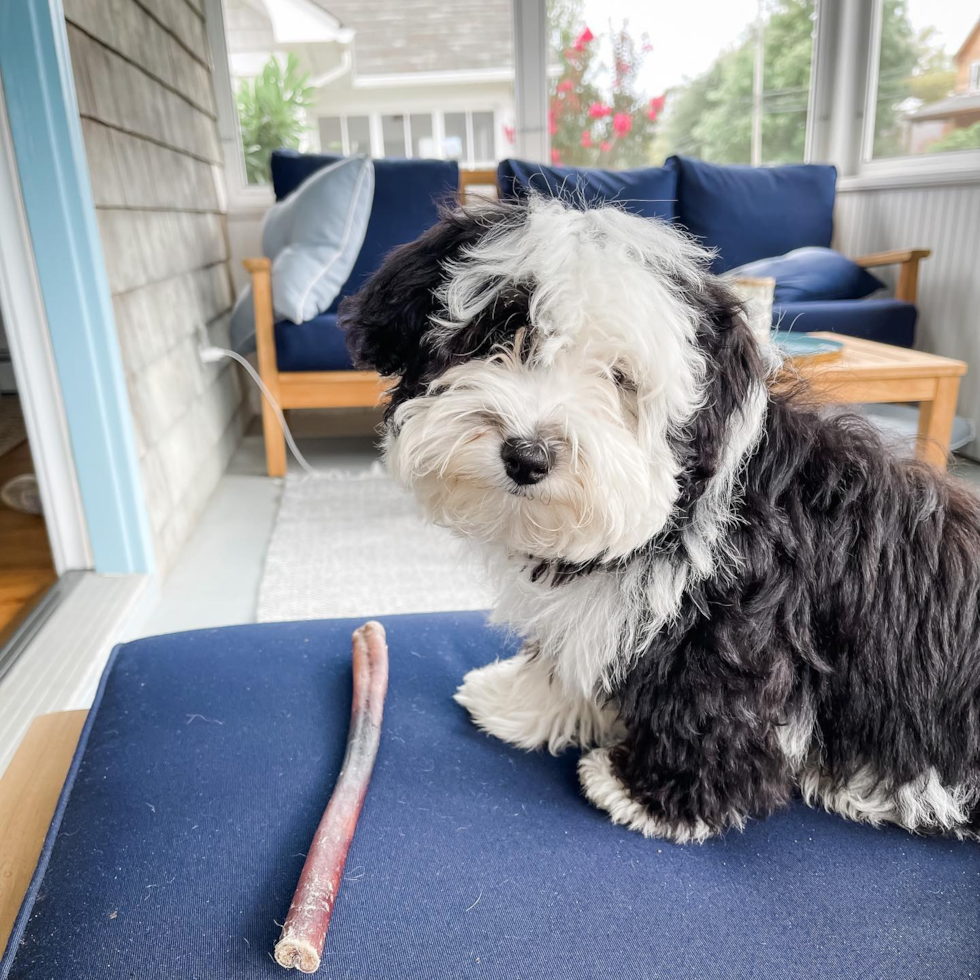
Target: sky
687,35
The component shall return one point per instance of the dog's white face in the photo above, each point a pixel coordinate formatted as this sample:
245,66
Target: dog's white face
552,435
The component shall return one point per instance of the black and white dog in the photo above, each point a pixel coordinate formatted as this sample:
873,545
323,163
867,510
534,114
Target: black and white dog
724,594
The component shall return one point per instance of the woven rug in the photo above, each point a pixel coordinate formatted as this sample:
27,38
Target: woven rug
356,546
12,431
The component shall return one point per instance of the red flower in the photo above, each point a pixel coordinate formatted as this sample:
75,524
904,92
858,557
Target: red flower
622,123
657,104
555,157
583,39
552,125
510,134
599,111
566,85
605,147
586,139
652,115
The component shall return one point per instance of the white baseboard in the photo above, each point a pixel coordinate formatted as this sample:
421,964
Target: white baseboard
60,664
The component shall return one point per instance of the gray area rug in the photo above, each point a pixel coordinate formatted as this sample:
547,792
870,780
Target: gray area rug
356,546
12,431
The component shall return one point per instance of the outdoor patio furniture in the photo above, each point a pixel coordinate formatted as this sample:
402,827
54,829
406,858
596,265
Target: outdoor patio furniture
306,365
746,213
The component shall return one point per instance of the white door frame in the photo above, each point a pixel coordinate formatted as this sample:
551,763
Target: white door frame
26,327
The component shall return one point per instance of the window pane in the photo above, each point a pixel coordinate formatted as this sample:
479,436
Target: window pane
928,98
359,134
483,142
393,131
330,139
661,78
454,144
423,144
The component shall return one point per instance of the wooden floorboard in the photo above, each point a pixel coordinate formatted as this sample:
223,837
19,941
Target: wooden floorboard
26,567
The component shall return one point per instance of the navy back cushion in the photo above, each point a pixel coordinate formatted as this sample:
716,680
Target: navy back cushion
407,196
650,191
750,213
812,274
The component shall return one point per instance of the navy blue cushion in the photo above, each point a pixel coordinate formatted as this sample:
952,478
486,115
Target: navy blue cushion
890,321
407,195
650,191
812,274
208,757
317,345
750,213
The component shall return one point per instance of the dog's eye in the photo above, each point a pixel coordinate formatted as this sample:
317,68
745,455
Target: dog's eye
623,381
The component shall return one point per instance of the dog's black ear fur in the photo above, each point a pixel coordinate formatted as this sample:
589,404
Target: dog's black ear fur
387,320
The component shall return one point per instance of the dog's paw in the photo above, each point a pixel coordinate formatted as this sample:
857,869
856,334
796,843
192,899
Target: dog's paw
606,790
516,701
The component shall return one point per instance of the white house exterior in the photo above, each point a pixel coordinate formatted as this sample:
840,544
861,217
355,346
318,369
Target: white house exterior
395,78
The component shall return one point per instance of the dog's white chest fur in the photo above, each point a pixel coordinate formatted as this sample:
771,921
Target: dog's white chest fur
591,628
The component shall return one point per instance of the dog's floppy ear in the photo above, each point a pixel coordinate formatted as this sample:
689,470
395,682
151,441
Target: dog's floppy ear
386,322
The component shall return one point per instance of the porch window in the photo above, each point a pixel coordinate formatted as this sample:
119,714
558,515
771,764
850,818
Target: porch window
726,82
926,94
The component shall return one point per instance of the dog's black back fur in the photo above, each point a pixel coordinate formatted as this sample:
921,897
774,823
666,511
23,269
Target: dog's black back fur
853,590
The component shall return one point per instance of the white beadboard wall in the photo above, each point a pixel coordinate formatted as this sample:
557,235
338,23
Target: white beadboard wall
946,219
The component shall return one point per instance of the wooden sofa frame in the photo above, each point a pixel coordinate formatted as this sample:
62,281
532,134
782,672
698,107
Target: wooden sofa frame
365,389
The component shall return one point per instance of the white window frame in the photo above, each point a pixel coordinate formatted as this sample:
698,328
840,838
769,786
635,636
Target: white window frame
926,168
438,117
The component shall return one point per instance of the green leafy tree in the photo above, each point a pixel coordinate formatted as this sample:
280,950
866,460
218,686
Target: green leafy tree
272,113
711,115
590,127
959,139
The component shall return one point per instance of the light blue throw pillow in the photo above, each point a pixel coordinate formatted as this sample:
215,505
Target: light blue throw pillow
313,238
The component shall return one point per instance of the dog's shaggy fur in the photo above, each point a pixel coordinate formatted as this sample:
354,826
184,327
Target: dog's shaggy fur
724,593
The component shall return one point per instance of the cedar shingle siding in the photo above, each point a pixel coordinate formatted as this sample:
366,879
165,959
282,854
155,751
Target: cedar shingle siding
147,110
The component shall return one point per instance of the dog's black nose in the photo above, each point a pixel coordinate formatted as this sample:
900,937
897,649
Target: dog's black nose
525,462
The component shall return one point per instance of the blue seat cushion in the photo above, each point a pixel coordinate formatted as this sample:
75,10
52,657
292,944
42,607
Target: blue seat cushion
208,757
648,191
407,197
317,345
812,273
890,321
750,213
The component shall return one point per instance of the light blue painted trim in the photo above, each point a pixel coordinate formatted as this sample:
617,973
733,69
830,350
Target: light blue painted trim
47,136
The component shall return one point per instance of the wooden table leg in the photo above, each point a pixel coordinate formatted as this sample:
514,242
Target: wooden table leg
29,792
936,422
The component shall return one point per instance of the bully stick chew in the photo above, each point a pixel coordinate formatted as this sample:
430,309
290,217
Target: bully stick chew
305,929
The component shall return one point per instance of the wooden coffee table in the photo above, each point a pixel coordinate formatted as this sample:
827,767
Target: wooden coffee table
870,372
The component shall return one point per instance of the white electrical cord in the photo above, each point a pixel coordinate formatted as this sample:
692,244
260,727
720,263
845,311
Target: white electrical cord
211,354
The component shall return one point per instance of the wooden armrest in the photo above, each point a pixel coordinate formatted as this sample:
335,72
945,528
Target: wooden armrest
895,257
907,287
265,349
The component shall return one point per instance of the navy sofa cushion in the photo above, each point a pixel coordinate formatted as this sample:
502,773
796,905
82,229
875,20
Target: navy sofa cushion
649,191
407,196
317,345
750,213
889,321
206,763
812,274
